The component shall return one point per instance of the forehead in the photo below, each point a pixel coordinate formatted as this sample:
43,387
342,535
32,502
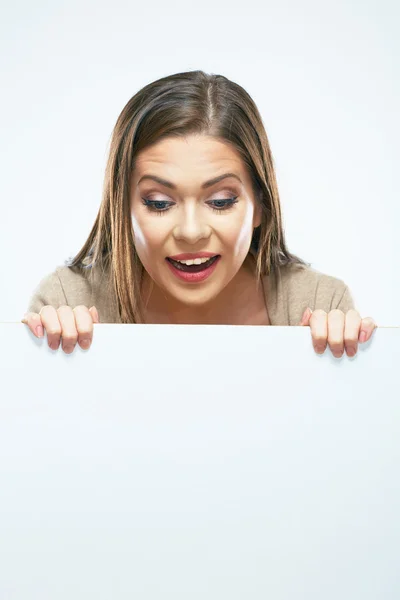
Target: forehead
195,152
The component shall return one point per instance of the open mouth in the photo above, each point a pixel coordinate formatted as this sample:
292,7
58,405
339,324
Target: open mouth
193,268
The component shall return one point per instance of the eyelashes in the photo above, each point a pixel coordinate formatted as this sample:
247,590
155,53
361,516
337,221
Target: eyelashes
162,206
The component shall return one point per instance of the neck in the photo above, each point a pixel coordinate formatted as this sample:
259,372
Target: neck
230,307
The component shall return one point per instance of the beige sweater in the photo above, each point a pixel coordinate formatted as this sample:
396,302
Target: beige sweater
288,293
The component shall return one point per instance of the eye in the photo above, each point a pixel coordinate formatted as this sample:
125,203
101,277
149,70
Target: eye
220,205
158,206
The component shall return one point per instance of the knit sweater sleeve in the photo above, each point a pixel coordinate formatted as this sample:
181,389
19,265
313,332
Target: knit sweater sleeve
49,291
346,302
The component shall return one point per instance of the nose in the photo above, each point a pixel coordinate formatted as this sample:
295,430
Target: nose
191,226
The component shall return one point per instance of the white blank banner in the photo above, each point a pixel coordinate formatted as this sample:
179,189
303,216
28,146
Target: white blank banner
199,463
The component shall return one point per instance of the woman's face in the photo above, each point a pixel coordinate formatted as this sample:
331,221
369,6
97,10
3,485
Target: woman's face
186,214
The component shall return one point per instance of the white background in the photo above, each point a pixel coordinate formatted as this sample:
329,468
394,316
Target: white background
325,77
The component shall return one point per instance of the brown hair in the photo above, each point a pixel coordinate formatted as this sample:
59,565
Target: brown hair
192,102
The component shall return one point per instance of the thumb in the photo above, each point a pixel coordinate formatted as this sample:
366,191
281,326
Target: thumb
306,317
95,314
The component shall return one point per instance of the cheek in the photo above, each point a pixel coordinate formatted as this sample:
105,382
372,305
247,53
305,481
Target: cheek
241,233
147,235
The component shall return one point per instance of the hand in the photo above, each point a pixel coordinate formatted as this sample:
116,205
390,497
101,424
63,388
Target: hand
70,325
341,331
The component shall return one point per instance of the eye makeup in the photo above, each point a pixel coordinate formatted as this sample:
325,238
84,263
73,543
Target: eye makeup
161,206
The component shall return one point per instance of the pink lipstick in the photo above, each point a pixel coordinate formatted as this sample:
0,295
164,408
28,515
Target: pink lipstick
193,273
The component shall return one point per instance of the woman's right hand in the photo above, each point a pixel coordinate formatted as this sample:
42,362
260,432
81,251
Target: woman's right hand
65,324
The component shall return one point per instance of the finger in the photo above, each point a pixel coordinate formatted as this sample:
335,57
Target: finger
336,319
69,334
84,326
306,317
51,324
351,331
367,328
95,315
319,330
34,323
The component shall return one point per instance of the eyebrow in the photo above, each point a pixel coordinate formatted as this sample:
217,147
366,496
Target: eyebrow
206,184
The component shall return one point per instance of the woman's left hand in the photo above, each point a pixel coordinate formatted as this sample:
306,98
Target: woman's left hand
341,331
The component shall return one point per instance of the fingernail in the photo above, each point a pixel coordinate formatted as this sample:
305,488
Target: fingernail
85,343
363,336
39,331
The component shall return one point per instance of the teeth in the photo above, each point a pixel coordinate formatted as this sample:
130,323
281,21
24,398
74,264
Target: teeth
196,261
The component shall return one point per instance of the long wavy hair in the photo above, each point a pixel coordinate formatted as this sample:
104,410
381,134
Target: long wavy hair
192,102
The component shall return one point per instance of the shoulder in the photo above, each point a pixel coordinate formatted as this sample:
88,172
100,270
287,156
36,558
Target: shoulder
63,286
304,278
73,287
296,287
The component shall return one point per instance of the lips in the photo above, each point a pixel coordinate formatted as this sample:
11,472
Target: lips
193,273
192,268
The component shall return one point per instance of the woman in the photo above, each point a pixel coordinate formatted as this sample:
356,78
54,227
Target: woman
190,230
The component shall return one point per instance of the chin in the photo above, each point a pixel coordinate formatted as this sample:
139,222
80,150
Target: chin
192,296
